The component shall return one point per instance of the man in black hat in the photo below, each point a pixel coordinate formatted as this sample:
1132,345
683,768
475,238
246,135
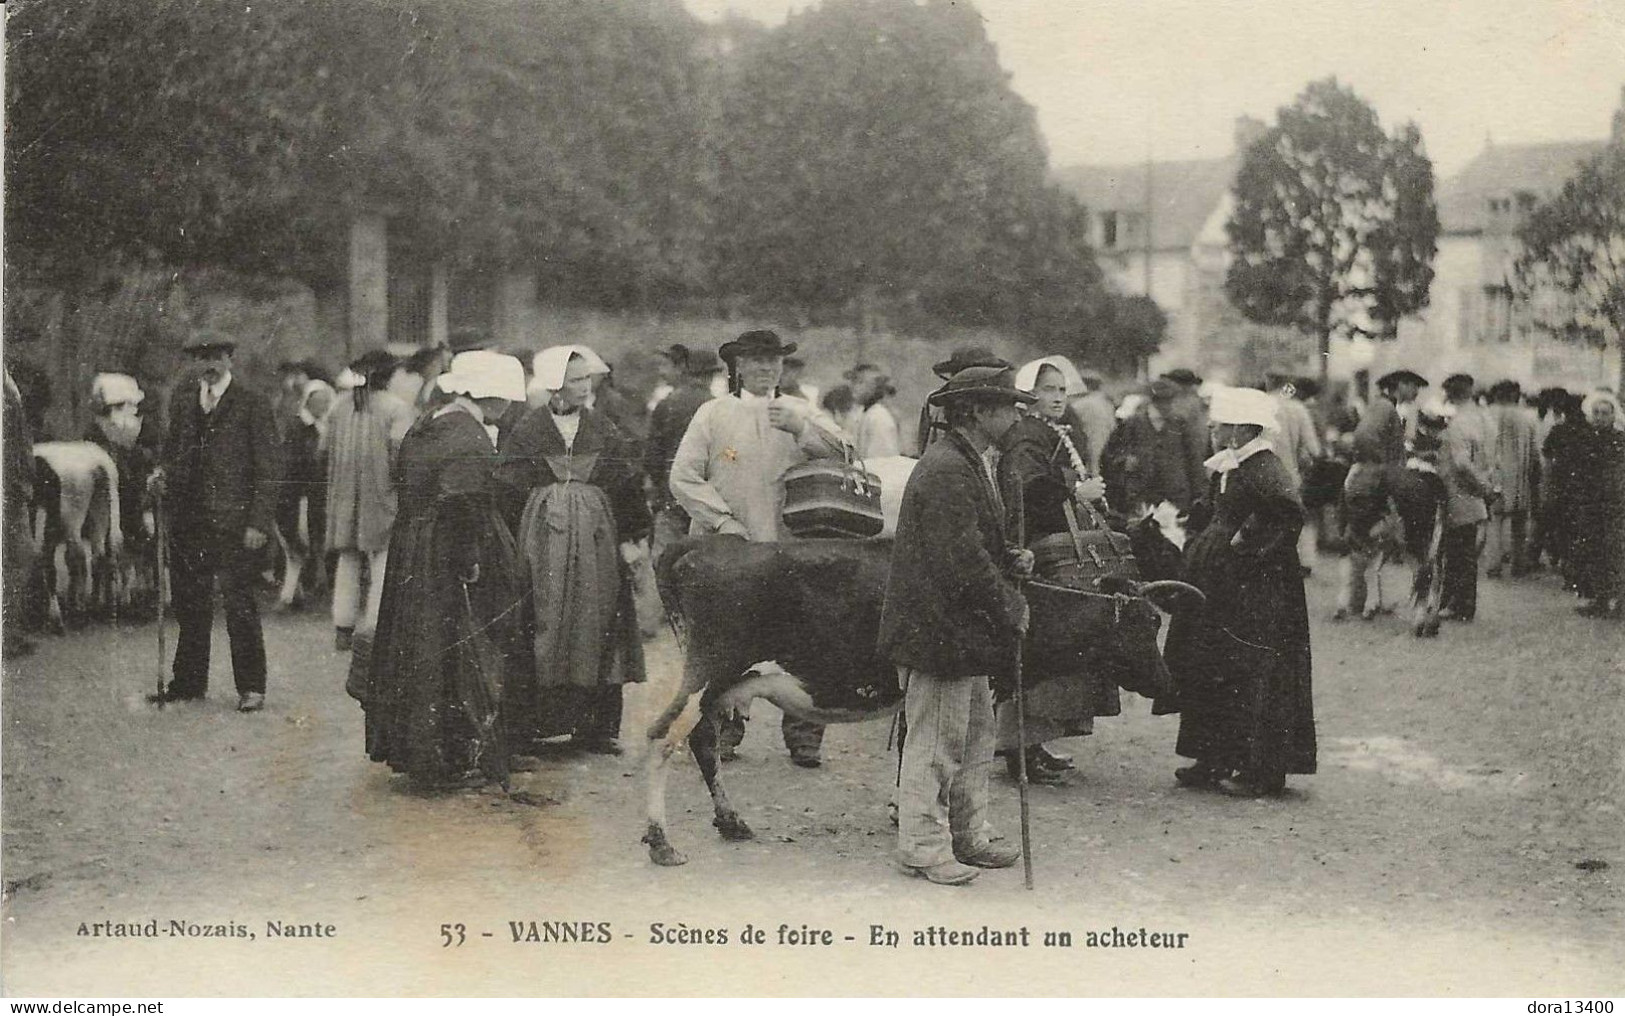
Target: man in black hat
222,461
729,468
1379,450
667,424
951,621
1470,476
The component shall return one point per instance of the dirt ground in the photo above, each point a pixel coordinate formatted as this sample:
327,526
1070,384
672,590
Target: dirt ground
1463,837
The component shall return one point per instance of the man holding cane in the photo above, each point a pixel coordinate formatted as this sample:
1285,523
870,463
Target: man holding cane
952,623
221,463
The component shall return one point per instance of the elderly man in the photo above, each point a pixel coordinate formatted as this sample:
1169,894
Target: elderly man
729,468
222,463
951,621
1379,449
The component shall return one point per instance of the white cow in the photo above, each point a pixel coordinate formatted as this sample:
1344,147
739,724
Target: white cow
81,524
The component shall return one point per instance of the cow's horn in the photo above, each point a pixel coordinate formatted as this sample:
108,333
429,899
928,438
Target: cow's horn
1173,595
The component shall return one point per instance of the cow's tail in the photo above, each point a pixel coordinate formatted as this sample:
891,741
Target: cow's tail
666,580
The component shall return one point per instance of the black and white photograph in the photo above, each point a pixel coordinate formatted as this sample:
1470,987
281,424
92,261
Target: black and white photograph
813,498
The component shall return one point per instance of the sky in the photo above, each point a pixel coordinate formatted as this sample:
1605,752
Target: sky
1120,80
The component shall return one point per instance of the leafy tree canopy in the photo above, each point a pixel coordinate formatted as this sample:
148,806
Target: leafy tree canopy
1334,227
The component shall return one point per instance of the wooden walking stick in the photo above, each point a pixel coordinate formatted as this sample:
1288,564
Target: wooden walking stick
161,537
1021,708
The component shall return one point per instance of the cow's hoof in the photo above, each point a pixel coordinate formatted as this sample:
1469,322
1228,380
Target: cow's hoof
667,856
732,827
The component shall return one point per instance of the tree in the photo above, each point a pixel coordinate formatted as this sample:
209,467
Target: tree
875,157
1571,270
1334,227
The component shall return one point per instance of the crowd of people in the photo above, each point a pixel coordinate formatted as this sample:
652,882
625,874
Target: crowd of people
484,526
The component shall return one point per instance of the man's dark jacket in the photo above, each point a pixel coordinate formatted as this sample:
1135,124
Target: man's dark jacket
222,468
950,611
667,425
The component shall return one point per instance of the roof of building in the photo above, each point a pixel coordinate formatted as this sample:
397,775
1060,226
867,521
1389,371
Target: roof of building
1503,171
1183,194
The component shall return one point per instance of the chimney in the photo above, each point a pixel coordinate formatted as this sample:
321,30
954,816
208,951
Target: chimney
1247,131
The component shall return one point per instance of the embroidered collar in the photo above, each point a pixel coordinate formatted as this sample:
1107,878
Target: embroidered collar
1226,459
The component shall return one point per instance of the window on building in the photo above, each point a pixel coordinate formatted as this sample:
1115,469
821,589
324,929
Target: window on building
1526,201
1497,304
1108,230
1133,229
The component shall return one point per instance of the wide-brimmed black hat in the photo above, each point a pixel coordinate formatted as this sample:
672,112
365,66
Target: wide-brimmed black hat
973,356
1306,387
1394,377
981,381
1183,376
701,363
208,343
757,342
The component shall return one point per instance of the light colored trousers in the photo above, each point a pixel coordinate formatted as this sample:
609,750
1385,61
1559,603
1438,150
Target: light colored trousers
943,797
347,590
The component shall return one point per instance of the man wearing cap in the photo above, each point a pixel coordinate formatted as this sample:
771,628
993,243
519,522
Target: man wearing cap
951,622
667,424
1379,450
728,470
1097,415
1189,403
876,435
222,462
1156,454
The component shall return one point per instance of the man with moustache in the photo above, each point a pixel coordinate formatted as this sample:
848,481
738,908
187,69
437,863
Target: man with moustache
222,462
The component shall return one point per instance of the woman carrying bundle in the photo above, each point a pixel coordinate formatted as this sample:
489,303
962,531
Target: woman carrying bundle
1042,470
582,525
1241,665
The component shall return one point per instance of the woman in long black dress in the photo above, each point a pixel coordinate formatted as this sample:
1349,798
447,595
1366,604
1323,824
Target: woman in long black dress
1241,664
1600,518
1041,468
449,618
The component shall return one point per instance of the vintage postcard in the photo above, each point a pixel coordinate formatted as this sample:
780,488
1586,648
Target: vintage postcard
486,480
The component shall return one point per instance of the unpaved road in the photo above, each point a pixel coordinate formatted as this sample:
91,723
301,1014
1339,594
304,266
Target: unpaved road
1462,781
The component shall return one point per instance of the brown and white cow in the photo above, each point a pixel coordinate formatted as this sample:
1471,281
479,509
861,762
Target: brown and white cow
795,623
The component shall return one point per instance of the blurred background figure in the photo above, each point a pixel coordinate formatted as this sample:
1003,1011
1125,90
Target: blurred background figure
874,434
17,445
1515,450
667,423
301,514
668,369
1096,416
364,434
1156,454
792,383
1600,513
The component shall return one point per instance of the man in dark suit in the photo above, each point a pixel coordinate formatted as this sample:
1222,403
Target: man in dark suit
951,622
221,464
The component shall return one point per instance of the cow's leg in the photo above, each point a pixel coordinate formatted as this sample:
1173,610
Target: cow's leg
667,735
703,741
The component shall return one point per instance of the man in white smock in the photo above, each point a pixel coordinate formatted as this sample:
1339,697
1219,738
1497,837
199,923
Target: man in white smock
729,468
